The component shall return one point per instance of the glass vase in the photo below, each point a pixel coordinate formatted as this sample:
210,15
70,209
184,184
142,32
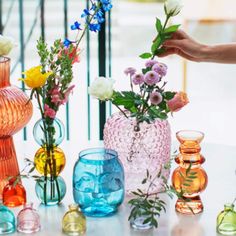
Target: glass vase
15,112
146,148
13,194
28,220
226,221
49,161
74,222
50,190
98,182
7,220
189,159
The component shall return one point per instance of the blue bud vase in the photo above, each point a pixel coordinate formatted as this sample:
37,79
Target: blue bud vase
98,182
7,220
50,190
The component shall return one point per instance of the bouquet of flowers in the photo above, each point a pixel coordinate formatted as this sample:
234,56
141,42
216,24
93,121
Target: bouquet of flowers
50,83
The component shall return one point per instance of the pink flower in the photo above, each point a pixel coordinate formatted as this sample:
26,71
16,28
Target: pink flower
150,63
155,98
151,78
178,101
130,71
160,68
66,95
49,112
138,79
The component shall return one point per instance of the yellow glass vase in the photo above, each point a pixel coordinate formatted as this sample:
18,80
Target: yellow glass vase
74,222
56,159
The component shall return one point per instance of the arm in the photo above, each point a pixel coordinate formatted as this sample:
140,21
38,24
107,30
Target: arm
184,46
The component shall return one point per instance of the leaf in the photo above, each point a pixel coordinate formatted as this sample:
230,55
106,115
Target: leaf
144,181
160,51
156,44
158,25
145,55
187,185
168,95
147,220
171,29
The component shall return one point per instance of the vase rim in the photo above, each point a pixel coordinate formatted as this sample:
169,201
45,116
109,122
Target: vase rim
98,154
190,135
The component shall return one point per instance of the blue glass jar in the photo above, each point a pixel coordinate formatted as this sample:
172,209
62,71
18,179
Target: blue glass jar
7,220
98,182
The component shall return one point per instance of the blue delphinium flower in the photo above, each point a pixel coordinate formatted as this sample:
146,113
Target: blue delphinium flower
67,43
94,27
99,17
106,5
76,26
85,13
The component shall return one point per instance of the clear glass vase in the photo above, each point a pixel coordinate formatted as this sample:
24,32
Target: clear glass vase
15,111
74,222
226,220
98,182
146,148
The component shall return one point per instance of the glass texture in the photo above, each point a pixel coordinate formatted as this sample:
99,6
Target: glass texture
39,134
7,220
189,155
13,195
56,158
139,225
74,222
138,151
50,190
28,220
98,182
226,221
15,112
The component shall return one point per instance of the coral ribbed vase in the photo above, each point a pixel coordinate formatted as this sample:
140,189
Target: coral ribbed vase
139,151
15,112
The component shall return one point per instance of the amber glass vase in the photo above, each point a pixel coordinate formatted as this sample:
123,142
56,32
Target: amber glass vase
189,178
15,112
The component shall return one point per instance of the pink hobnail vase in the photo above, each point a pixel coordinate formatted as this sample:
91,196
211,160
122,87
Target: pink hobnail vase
139,151
28,220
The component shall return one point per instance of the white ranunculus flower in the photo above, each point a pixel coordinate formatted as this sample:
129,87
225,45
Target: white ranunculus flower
173,7
6,45
101,88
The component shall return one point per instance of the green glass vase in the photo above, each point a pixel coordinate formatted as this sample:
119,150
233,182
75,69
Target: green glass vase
226,221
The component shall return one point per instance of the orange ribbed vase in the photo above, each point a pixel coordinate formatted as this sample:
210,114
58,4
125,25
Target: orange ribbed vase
15,112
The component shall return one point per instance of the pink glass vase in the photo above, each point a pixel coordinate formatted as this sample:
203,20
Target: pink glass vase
146,149
15,112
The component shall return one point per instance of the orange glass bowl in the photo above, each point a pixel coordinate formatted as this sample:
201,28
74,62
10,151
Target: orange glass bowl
15,112
56,159
189,155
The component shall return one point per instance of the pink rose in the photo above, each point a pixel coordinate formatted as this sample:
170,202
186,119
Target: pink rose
178,101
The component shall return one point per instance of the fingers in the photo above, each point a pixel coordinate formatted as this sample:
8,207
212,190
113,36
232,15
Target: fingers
173,43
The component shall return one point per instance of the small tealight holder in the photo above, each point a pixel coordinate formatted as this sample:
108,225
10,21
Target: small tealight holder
7,220
28,220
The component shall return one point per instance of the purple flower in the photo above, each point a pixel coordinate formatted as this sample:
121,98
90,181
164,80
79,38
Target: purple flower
155,98
138,79
150,63
130,71
151,78
160,68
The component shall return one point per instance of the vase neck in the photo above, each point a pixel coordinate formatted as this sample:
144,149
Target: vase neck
4,71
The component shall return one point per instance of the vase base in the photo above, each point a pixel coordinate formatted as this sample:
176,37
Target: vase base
189,206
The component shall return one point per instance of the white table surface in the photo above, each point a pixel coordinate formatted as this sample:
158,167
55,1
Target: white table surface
220,166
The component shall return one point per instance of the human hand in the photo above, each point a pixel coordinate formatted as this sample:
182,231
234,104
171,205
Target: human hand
184,46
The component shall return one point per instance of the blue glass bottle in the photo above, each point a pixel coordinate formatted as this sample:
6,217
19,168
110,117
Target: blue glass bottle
7,220
98,182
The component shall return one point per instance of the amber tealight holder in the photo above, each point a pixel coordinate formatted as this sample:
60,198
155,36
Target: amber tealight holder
189,178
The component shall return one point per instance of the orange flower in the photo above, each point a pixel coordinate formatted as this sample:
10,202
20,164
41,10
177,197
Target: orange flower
178,101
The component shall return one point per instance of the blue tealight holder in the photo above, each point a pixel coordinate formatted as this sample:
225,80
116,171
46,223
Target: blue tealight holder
7,220
98,182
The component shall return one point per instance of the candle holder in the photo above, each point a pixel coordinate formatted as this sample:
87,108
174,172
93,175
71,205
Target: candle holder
189,179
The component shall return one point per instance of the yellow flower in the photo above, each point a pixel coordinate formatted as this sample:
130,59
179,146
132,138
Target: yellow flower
35,78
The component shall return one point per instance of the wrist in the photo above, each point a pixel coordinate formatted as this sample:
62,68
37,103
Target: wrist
208,53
